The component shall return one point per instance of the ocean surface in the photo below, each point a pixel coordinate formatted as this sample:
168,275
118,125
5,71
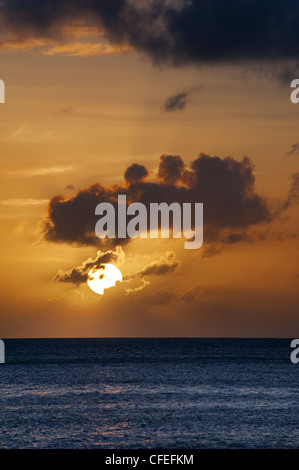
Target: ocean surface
149,393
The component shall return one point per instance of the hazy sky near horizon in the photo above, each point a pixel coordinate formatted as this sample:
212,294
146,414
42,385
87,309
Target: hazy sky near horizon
83,103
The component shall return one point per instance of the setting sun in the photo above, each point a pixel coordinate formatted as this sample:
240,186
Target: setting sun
103,277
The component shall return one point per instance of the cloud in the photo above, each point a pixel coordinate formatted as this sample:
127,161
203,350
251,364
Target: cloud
135,173
211,250
225,186
171,168
179,101
294,150
25,133
70,39
192,32
293,194
62,47
133,283
175,102
40,171
166,264
24,202
79,274
72,220
79,49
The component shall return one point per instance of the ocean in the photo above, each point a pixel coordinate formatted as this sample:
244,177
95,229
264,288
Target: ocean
149,394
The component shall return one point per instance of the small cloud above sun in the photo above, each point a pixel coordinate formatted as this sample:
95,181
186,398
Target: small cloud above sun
103,277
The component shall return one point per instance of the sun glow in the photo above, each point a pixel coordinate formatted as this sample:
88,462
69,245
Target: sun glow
103,277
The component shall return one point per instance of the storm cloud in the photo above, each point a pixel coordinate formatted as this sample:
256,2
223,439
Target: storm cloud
191,32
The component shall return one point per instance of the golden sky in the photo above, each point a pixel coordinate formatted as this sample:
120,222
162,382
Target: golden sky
80,111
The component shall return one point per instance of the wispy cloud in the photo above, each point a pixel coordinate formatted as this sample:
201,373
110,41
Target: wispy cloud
26,133
179,101
24,202
294,150
40,171
84,49
74,40
79,274
165,265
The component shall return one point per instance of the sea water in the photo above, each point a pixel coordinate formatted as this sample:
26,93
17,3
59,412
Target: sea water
149,393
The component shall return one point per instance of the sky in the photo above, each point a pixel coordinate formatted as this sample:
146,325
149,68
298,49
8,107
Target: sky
164,100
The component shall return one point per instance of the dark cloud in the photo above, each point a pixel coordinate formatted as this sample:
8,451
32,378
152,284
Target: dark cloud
179,101
72,220
226,187
79,274
284,72
70,187
191,32
171,168
135,173
294,150
175,102
293,194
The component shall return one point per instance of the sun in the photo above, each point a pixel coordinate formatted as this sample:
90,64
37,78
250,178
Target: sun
103,277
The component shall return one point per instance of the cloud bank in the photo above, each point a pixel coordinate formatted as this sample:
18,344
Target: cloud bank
174,32
226,187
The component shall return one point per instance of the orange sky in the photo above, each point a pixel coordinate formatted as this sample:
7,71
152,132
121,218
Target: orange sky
77,120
